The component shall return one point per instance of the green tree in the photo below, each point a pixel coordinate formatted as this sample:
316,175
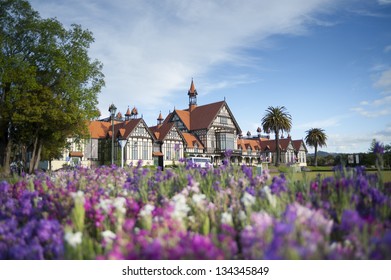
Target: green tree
316,137
277,120
48,83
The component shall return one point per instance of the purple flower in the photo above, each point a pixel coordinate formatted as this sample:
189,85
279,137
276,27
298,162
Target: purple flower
378,148
228,154
278,185
351,220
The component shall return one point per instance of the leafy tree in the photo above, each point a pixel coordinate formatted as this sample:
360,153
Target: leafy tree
316,137
277,120
48,83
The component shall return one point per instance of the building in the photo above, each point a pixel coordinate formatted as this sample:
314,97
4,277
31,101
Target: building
208,130
197,131
169,143
256,150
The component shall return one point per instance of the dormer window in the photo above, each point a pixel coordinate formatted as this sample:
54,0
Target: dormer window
223,120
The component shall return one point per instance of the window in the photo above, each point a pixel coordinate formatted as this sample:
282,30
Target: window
168,151
225,141
223,120
145,150
135,151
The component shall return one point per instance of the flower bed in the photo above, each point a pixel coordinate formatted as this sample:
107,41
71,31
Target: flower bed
190,213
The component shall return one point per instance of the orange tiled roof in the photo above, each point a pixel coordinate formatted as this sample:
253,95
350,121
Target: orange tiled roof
185,117
191,140
161,131
271,144
203,116
254,144
98,129
123,129
297,144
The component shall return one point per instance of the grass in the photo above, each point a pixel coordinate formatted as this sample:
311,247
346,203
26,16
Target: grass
323,172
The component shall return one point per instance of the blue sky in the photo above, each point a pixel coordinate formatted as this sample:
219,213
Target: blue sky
327,61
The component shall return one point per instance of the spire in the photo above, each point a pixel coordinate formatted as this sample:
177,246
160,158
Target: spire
192,93
127,114
160,119
134,112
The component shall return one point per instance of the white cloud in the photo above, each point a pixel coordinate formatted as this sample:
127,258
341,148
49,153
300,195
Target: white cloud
384,2
345,143
151,49
387,49
383,81
324,123
376,108
385,134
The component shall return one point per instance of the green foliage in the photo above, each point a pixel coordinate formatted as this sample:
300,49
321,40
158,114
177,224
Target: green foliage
48,83
316,137
277,120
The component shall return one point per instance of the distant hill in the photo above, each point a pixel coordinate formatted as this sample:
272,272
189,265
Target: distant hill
323,154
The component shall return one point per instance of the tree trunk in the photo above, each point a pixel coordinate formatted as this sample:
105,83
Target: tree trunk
7,157
36,155
6,142
24,157
316,155
277,149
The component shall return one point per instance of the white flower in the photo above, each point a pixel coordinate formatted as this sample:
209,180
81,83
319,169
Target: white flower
191,219
226,218
194,187
242,215
108,236
78,196
73,239
147,210
119,204
270,197
105,205
180,207
248,199
199,199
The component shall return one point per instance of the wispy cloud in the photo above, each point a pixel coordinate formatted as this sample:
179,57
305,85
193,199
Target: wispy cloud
151,49
383,81
387,49
324,123
376,108
384,2
345,143
384,134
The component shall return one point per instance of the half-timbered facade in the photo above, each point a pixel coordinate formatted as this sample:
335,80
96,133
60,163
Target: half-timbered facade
169,143
198,131
210,127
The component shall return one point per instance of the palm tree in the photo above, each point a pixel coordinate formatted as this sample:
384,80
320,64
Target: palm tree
316,137
277,120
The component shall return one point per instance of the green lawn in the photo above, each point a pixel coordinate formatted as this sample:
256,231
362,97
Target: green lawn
311,175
